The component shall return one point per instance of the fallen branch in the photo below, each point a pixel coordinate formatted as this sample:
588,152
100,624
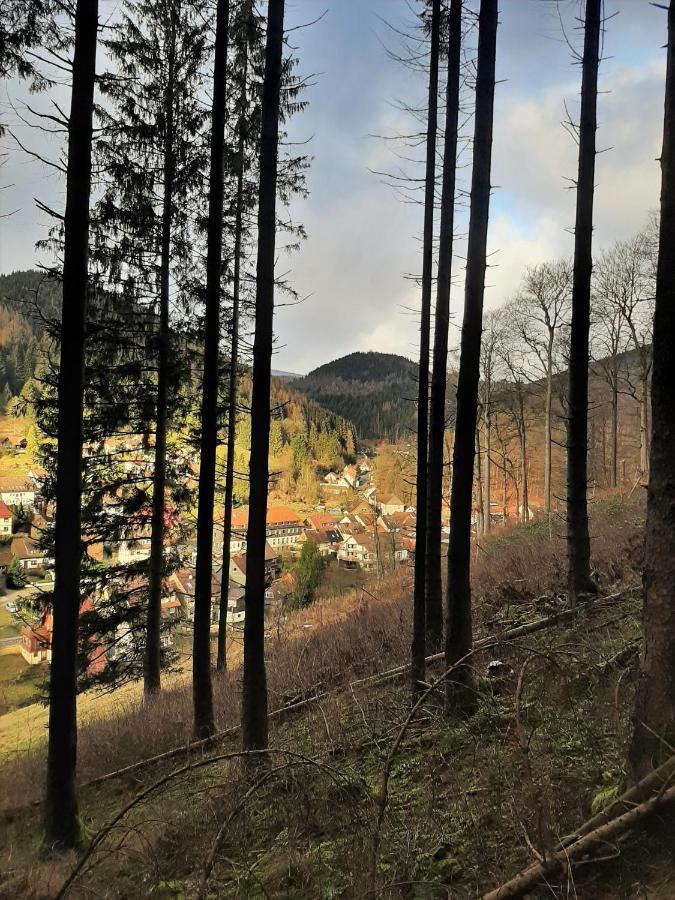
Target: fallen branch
597,830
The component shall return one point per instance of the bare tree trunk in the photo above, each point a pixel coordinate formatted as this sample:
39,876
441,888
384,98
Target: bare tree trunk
151,672
525,515
548,442
228,499
202,690
578,539
254,700
62,825
439,375
614,437
478,477
644,427
654,713
460,694
487,476
427,626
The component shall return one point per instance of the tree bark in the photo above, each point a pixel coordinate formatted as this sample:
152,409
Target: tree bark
233,381
487,478
459,692
548,443
614,437
439,375
525,514
254,701
62,826
578,539
644,426
152,662
202,690
427,625
654,712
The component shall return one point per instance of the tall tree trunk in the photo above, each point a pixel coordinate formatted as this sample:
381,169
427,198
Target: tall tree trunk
151,674
439,375
459,637
233,380
478,477
525,514
548,442
202,690
644,426
654,714
487,479
427,626
614,437
578,539
62,826
254,705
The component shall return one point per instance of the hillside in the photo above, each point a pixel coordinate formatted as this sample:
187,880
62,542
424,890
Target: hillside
25,297
360,798
376,391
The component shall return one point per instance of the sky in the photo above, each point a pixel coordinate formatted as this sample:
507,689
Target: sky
354,270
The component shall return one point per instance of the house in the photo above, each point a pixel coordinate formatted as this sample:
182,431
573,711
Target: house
29,553
238,566
350,474
327,541
390,503
15,442
5,519
360,505
36,643
320,522
284,529
17,491
182,586
367,551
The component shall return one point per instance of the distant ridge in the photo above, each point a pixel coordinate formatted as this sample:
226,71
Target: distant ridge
279,373
375,391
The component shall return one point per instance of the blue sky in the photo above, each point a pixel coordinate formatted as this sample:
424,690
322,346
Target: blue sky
362,240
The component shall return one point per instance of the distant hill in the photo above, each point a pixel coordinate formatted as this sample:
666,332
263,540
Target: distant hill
284,376
375,391
26,299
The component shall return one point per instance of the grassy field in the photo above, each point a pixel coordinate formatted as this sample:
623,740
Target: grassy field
20,683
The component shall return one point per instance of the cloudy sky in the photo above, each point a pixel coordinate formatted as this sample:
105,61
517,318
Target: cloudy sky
362,239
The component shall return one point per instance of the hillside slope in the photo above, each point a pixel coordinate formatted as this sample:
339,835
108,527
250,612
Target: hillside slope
376,391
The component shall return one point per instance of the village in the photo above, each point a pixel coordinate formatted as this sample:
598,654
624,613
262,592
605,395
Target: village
359,532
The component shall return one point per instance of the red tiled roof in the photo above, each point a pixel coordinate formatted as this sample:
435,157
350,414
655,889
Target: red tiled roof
5,511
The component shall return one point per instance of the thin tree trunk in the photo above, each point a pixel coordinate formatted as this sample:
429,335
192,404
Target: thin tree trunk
644,427
578,539
202,690
478,477
62,825
614,437
439,375
151,673
228,500
487,480
254,701
548,443
525,515
459,637
654,714
427,626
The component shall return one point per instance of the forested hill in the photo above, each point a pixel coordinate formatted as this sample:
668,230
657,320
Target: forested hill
375,391
24,298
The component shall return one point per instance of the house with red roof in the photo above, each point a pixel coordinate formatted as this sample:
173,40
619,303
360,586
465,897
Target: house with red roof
5,519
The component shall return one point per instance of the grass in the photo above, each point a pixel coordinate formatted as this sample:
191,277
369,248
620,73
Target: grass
462,796
19,682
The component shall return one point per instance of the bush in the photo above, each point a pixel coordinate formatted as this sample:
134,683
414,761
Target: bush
15,574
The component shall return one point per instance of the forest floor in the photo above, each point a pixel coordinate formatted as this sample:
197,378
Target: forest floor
358,800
